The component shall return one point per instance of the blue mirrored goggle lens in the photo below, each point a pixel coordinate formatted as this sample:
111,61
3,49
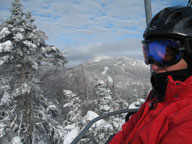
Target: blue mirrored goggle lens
162,52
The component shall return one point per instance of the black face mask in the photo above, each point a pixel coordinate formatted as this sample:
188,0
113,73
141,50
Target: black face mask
159,81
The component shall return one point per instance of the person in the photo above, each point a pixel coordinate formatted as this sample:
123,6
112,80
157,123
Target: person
166,115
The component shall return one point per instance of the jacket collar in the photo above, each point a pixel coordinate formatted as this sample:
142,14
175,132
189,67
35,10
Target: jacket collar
177,90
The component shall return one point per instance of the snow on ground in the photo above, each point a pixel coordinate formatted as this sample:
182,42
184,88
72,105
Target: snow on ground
134,63
91,115
121,64
71,135
106,68
110,80
136,104
133,105
16,140
123,67
100,124
118,63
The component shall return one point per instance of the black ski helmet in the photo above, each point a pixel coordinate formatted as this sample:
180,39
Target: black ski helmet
173,22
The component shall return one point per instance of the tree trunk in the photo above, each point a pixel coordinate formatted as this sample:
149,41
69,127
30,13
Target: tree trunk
85,88
28,106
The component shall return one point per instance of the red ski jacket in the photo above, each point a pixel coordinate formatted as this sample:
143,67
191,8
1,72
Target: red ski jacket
170,122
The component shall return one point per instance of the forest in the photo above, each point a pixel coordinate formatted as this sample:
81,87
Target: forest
41,101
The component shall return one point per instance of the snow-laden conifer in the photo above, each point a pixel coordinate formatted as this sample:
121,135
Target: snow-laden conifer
24,110
104,103
73,122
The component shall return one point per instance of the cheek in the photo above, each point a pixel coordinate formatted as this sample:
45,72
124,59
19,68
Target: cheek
180,65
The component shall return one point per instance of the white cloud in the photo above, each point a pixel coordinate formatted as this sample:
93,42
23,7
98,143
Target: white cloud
88,28
127,47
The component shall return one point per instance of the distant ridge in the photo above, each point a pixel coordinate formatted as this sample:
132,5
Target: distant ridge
130,77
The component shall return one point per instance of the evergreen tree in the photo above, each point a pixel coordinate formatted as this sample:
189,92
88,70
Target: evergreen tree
105,103
23,107
102,103
74,116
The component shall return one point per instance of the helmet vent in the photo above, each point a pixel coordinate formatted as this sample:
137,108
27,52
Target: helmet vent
162,13
175,16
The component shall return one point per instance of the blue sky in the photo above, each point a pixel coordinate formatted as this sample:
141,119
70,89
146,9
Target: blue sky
91,28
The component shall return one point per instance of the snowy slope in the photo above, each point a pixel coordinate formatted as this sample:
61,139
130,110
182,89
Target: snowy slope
129,77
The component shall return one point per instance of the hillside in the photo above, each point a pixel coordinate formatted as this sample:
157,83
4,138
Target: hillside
127,77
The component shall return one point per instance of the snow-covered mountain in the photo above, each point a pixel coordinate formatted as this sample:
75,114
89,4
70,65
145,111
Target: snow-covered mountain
124,77
128,78
121,66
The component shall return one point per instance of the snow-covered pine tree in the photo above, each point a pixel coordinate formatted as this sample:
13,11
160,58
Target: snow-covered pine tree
23,107
105,103
103,99
73,121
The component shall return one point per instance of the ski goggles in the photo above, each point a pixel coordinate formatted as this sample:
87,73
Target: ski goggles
162,52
